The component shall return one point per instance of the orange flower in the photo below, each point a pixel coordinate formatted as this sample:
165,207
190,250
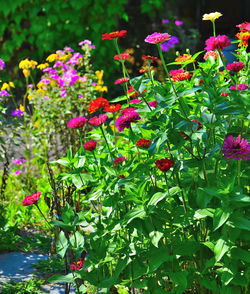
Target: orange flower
112,35
98,103
243,37
183,58
181,76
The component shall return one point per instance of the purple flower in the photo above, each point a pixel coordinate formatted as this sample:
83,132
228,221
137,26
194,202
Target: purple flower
4,93
17,112
170,43
135,101
30,86
80,96
49,70
2,64
178,23
17,172
59,63
236,148
126,119
165,21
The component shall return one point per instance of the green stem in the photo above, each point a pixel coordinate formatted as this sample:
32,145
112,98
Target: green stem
80,134
238,172
43,216
213,22
106,141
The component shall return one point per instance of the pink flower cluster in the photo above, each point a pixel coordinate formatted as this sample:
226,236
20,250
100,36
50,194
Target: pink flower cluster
236,148
126,119
240,87
77,122
235,66
119,160
97,121
219,42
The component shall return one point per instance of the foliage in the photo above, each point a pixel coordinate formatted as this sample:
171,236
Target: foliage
28,287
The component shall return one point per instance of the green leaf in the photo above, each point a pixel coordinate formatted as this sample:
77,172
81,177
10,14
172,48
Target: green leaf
69,154
138,212
61,161
239,222
157,197
179,278
219,218
62,225
77,181
122,263
62,244
155,237
220,249
61,278
68,214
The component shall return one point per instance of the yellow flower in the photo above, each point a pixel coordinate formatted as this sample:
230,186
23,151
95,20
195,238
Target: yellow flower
26,72
5,86
33,64
29,97
21,107
211,16
42,66
99,74
36,124
12,84
40,85
26,64
52,57
101,88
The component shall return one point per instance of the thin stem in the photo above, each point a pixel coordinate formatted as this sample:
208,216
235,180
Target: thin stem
106,141
182,194
238,172
43,216
204,171
80,134
213,22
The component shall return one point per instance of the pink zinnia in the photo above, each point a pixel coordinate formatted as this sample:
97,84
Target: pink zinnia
135,101
126,119
236,148
119,160
78,265
126,110
157,38
175,71
240,87
153,103
235,66
31,199
77,122
90,145
121,81
219,42
97,121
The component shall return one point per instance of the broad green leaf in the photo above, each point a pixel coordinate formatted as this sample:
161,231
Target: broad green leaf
61,278
62,225
220,249
68,214
219,218
201,213
179,278
155,237
62,244
239,222
138,212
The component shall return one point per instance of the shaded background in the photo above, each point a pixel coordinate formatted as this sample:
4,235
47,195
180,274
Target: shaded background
36,28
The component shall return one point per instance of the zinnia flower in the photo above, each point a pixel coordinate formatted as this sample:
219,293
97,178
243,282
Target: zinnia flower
240,87
236,148
116,34
126,110
97,103
77,122
90,145
147,57
126,119
244,27
135,101
143,143
153,103
175,71
178,23
123,56
78,265
235,66
224,94
31,199
183,58
243,37
157,38
219,42
181,76
112,108
19,161
97,121
121,81
164,164
119,160
213,54
211,16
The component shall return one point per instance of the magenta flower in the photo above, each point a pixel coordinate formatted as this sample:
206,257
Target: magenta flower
4,93
77,122
126,119
153,103
126,110
165,20
135,101
178,23
90,145
157,38
19,161
97,121
17,112
2,64
173,72
235,66
121,81
17,172
240,87
31,199
119,160
219,42
236,148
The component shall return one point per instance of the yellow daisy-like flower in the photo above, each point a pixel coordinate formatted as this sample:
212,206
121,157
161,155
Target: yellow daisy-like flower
211,16
101,88
52,57
26,64
5,86
42,66
26,72
29,97
99,74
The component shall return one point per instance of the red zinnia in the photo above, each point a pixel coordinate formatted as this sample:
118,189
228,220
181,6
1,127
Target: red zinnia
143,143
244,27
119,160
123,56
97,121
90,145
98,103
164,164
77,122
224,94
78,265
243,37
173,72
31,199
146,57
143,70
235,66
112,35
112,108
